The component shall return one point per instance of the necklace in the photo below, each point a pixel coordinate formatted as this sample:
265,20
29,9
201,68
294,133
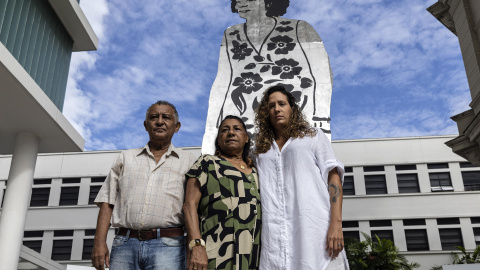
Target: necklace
238,162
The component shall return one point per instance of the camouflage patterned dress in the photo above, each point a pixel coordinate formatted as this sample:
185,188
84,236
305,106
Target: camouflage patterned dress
230,213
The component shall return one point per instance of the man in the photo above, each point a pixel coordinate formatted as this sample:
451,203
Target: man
143,196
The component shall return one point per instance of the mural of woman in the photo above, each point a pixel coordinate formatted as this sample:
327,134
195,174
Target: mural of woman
268,50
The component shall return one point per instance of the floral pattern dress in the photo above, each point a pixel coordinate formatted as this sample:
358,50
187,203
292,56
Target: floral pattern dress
280,59
230,213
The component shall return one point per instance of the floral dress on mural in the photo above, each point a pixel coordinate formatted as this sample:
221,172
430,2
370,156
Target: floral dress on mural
280,59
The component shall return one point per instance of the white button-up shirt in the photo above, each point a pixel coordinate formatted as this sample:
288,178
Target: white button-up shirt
146,194
296,203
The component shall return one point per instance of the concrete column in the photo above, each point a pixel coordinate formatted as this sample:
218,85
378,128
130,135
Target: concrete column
17,199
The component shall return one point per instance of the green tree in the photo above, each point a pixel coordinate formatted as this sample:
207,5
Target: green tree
380,255
467,257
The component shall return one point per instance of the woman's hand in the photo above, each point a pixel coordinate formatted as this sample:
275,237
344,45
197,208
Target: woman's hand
198,259
334,243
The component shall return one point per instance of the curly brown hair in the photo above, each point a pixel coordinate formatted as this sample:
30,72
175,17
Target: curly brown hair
297,126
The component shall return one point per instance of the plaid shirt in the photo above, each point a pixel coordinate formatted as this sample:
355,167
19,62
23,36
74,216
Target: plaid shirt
146,194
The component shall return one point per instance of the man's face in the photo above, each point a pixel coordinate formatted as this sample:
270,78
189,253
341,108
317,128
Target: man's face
161,123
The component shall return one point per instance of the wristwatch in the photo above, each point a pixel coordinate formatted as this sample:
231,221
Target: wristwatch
196,242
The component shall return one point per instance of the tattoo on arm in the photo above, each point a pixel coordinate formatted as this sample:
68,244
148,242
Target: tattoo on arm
334,192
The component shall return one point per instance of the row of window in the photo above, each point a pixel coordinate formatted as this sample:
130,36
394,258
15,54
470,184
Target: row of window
417,239
408,182
62,243
69,191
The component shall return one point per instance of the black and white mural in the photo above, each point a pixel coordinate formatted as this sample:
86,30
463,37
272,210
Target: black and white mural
264,51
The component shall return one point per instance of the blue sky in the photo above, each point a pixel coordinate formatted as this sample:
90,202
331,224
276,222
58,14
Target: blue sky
397,70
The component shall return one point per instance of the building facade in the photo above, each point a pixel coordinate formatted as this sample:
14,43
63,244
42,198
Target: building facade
37,38
462,17
414,191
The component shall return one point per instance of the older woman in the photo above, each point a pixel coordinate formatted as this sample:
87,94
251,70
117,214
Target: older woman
301,188
223,190
267,50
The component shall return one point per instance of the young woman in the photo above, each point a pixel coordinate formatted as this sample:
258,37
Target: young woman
301,189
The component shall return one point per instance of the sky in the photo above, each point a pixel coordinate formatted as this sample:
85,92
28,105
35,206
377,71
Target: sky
398,72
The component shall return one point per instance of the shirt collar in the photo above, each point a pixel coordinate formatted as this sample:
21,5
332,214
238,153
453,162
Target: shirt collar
172,150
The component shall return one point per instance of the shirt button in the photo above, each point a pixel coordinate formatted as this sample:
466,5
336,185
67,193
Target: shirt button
252,189
255,211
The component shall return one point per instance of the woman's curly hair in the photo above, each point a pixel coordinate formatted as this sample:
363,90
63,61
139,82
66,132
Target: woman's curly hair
297,126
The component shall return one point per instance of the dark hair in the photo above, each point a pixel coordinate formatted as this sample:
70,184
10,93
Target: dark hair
297,127
274,7
163,102
246,148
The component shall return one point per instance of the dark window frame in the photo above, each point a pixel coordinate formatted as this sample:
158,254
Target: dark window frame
471,180
69,195
450,238
348,185
440,181
417,240
408,183
375,186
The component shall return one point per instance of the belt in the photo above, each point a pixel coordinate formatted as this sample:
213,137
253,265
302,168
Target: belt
144,235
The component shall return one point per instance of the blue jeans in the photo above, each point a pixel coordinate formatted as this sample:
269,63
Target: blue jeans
161,253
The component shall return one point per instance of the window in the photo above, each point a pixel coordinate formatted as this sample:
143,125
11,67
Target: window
61,250
466,165
373,169
380,223
75,180
42,181
471,180
351,234
375,184
69,196
40,197
413,222
93,194
61,233
33,240
349,224
87,249
62,245
33,244
437,166
440,181
450,238
348,169
476,233
409,167
348,185
408,183
382,234
417,240
448,221
88,244
100,179
475,220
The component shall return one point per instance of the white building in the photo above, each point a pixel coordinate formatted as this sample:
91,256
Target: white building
412,190
37,39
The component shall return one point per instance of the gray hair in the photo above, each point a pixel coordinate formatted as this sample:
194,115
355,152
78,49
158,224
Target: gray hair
163,102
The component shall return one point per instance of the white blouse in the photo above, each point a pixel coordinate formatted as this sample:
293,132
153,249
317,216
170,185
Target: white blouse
296,203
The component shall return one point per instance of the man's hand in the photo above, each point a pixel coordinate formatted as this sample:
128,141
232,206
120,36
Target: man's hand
100,255
334,243
198,259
